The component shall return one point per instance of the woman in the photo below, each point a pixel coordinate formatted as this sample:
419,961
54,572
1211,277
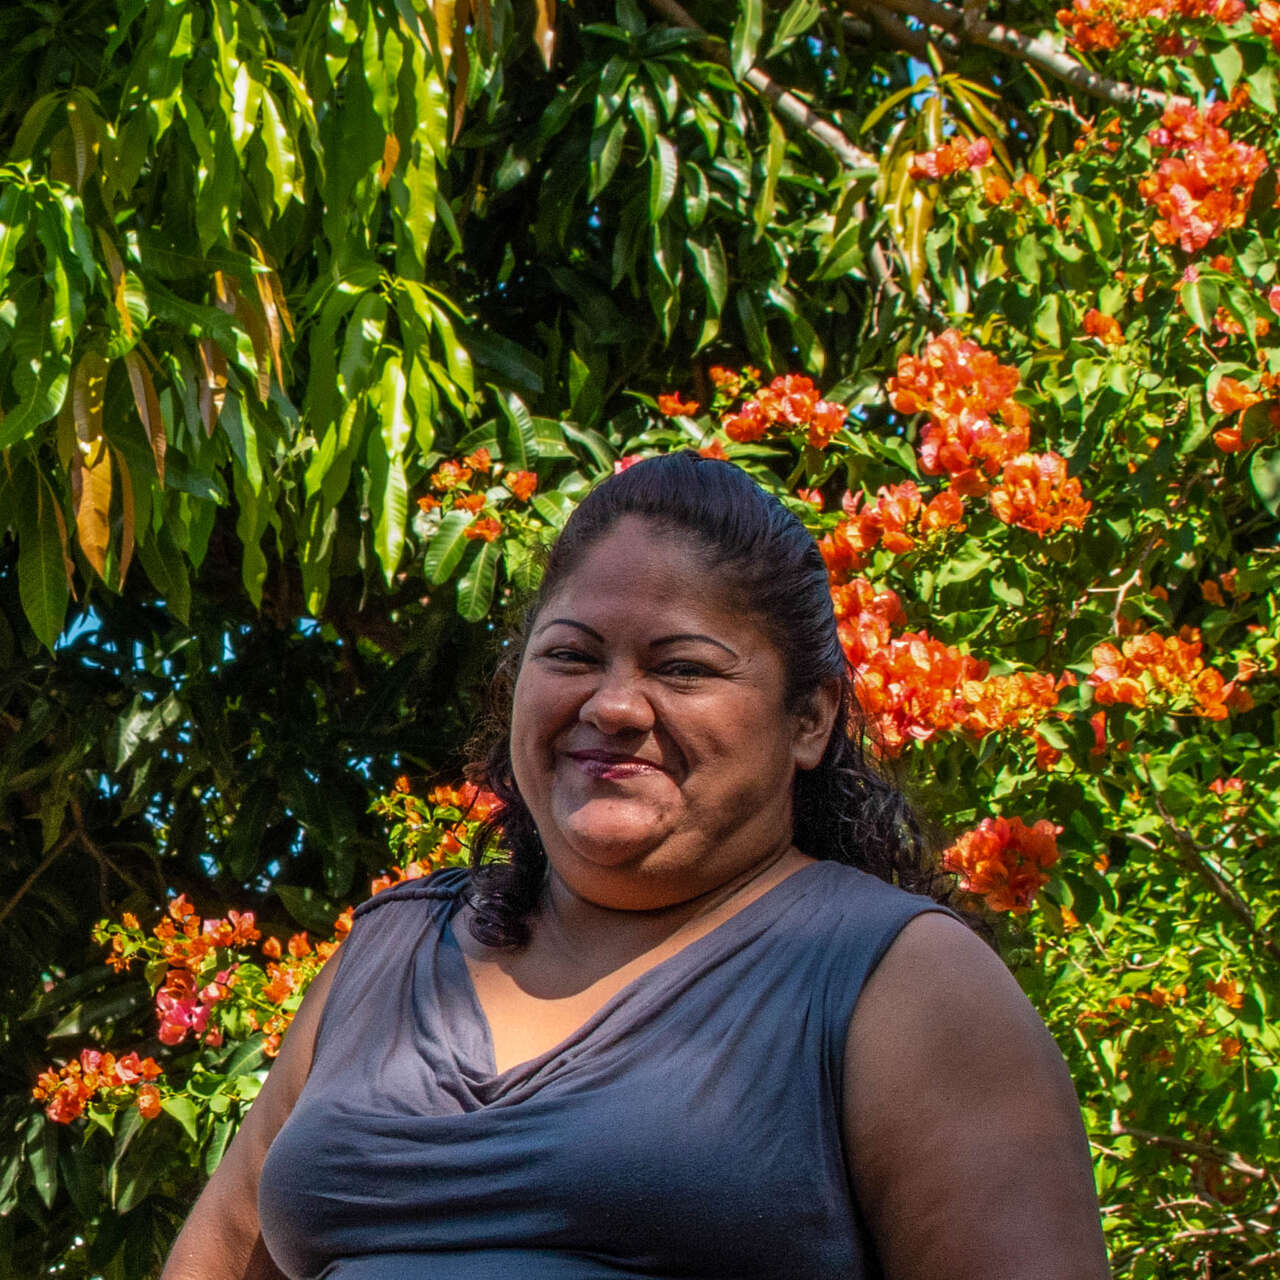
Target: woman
682,1032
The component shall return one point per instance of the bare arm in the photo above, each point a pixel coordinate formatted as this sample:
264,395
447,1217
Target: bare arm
221,1239
966,1148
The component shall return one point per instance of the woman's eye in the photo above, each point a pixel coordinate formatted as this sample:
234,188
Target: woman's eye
575,656
684,670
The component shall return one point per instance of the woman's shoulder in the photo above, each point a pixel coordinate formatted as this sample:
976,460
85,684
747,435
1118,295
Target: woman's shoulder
440,887
845,890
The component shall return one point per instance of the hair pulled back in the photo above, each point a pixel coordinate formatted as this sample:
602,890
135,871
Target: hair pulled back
844,809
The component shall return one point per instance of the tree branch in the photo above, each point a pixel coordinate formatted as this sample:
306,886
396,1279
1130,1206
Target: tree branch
1032,49
1195,860
1224,1158
45,863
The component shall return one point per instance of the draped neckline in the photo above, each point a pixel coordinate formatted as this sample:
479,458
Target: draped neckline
480,1069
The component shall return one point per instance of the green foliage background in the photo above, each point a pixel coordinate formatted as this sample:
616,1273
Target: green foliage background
263,266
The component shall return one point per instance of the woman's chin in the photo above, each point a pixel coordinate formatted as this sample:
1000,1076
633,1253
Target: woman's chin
604,837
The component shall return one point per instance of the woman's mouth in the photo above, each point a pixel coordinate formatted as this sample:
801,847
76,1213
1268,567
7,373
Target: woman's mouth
612,766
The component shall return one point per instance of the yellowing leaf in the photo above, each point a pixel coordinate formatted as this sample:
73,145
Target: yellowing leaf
390,154
148,405
544,32
213,382
91,462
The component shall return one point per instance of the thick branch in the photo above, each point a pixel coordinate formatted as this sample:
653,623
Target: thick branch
1033,49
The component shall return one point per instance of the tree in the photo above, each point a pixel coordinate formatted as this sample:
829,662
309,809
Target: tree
316,319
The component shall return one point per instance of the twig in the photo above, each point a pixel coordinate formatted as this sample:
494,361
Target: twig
1032,49
1194,859
1225,1158
46,862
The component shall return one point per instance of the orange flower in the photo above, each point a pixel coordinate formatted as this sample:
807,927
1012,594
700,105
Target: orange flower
299,946
714,450
674,407
943,511
951,157
1228,395
522,484
995,189
1229,992
149,1101
449,475
790,402
1004,861
480,460
488,529
428,503
1035,493
472,502
1105,328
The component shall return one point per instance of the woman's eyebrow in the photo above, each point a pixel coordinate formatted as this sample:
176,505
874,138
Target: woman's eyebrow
569,622
692,635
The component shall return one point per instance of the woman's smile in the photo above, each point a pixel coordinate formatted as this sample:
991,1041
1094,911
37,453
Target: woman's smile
612,766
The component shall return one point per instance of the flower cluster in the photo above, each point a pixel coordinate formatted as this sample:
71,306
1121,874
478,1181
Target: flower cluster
128,1077
432,833
1036,493
912,686
963,390
1106,24
789,403
452,484
895,521
1165,669
1205,187
951,157
1004,861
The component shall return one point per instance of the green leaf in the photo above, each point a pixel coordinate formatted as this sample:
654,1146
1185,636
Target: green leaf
768,197
15,203
1200,299
42,1157
798,17
475,587
664,168
745,38
183,1110
1264,472
697,195
310,908
43,587
519,442
603,155
446,547
393,516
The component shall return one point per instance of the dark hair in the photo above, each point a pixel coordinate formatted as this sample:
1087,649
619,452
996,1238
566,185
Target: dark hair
845,810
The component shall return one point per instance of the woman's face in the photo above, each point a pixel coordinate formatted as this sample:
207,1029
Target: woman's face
650,736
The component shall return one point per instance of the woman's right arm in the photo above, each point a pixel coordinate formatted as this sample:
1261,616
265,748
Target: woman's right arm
221,1239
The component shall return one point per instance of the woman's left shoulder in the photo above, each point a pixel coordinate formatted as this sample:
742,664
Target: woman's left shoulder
964,1132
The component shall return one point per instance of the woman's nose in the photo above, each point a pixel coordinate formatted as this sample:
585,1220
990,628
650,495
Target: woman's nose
617,705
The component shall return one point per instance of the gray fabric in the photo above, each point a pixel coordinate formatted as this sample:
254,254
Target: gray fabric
689,1129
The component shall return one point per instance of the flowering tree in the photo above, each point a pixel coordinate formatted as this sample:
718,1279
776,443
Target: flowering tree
316,320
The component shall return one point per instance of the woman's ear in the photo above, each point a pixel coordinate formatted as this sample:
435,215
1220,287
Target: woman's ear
814,723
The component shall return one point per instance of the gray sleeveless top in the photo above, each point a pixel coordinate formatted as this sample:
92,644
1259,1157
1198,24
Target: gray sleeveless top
689,1130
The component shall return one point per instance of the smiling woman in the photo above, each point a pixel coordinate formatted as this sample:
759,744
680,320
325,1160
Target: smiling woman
690,1021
